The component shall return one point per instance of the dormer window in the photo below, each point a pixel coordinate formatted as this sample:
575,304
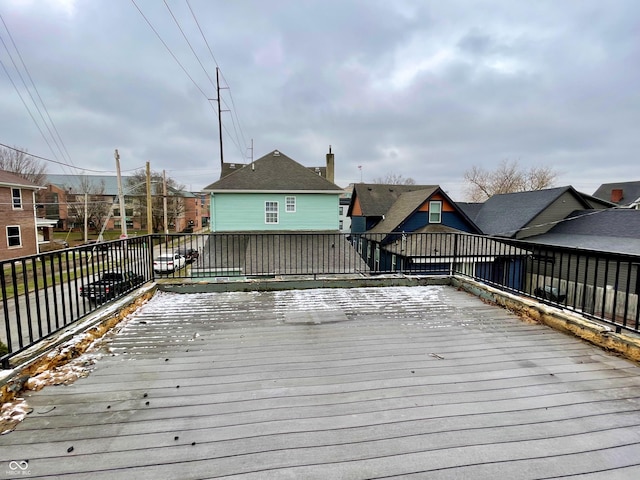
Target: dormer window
435,211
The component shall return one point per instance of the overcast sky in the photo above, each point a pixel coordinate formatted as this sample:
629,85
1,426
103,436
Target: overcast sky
423,89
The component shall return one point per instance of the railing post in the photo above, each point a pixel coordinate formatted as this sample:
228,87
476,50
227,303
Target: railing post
454,260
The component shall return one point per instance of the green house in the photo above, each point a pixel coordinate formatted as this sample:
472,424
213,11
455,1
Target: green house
275,193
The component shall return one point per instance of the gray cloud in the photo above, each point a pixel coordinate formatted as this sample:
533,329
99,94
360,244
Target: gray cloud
424,89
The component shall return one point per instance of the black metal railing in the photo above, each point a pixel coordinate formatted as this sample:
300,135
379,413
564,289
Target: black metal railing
41,294
44,293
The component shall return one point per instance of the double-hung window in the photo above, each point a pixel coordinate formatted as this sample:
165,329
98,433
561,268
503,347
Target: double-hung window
290,204
14,238
16,197
270,212
435,211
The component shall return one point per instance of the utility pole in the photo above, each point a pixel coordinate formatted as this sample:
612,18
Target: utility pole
149,209
164,202
219,116
123,213
86,214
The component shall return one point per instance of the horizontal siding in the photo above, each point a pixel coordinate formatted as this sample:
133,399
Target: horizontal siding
245,212
558,210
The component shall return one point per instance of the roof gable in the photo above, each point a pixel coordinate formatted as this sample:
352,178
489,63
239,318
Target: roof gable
408,203
506,214
630,192
273,172
375,199
404,206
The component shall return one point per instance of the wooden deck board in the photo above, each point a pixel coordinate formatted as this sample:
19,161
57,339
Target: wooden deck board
346,383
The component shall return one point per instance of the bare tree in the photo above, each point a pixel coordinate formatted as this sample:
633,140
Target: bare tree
137,187
394,179
18,161
98,205
509,177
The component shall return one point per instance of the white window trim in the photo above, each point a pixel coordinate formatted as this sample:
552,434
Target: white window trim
267,212
287,204
19,236
14,198
431,204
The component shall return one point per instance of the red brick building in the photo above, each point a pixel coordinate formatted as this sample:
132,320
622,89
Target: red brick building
18,224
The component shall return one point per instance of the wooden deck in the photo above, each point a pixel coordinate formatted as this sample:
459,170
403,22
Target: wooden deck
363,383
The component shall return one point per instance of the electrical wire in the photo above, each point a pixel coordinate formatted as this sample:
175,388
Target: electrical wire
189,43
44,137
65,164
57,139
169,50
234,109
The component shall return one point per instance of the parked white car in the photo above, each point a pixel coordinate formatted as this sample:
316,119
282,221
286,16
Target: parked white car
168,263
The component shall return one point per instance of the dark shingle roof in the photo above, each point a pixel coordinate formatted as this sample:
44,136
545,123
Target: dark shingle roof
376,198
630,191
507,213
229,168
470,209
273,172
612,230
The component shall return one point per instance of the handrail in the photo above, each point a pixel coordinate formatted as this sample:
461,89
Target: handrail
41,293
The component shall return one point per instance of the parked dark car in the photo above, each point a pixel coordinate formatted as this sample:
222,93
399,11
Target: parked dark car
550,293
110,285
190,254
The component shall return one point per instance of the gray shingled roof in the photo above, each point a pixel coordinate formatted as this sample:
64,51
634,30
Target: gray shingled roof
613,230
471,209
630,191
507,213
14,180
273,172
376,198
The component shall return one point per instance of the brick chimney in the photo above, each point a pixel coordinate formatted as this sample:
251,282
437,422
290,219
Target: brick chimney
330,166
616,195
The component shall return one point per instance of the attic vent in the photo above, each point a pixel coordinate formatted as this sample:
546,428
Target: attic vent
232,165
276,153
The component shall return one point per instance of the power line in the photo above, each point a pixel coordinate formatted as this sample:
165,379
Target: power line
234,109
169,50
237,142
62,150
189,43
62,163
44,137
